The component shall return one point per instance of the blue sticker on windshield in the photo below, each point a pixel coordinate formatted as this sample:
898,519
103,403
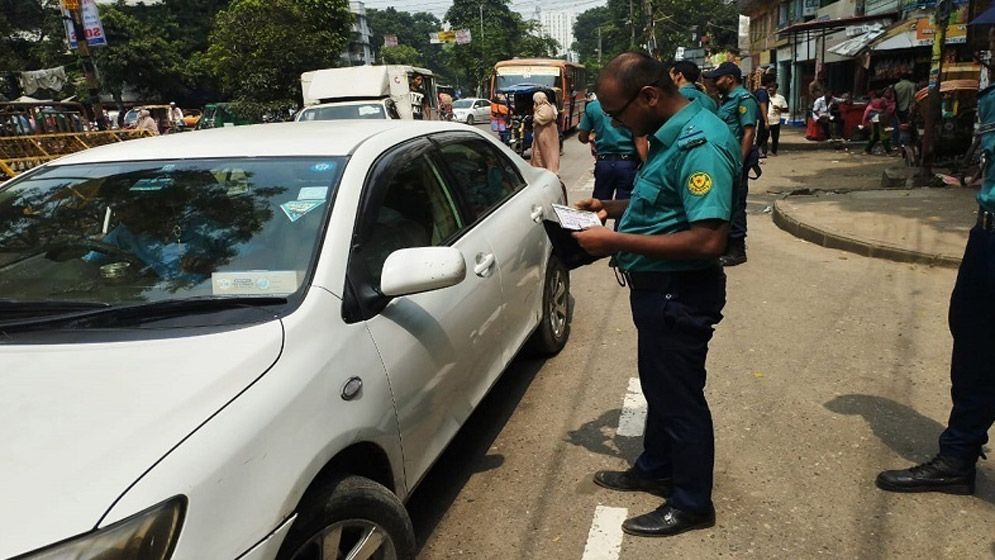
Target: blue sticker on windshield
152,184
297,209
323,167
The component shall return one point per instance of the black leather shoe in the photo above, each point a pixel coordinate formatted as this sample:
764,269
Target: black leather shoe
632,480
735,254
667,522
941,474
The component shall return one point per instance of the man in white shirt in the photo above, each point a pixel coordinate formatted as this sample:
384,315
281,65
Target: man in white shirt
777,108
822,111
175,115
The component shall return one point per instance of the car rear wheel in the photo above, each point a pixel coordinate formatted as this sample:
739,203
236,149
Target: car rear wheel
355,518
554,326
469,119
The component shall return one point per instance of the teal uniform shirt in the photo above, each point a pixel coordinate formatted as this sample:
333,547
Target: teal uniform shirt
739,110
693,162
608,139
694,94
986,112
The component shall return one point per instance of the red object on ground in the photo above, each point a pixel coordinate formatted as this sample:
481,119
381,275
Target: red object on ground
852,115
813,131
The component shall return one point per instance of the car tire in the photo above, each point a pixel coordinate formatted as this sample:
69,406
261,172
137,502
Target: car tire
469,119
353,509
554,324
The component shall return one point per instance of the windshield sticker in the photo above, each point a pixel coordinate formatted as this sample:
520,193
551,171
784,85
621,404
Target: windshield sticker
168,168
151,184
237,189
322,167
254,282
369,110
312,193
297,209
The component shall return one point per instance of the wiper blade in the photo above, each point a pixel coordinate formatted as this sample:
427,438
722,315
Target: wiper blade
11,308
152,310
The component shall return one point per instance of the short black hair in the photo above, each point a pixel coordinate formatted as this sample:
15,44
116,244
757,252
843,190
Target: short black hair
633,71
688,69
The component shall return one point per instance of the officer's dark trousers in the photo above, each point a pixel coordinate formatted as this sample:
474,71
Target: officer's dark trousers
674,320
737,226
972,368
614,178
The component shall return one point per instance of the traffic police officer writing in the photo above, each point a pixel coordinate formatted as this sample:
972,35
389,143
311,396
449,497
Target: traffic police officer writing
740,111
670,235
618,153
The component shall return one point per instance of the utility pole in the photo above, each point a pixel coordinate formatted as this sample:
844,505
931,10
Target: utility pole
75,8
599,45
940,21
632,28
650,28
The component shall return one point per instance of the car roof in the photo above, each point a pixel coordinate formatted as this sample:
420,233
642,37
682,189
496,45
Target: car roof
342,103
314,138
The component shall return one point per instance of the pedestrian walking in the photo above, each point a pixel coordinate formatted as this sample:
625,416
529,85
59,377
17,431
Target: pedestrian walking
972,365
763,127
617,157
685,74
740,112
778,110
876,115
670,235
545,134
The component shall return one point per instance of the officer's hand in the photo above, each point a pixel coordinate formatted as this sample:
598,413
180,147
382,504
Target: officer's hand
596,241
593,205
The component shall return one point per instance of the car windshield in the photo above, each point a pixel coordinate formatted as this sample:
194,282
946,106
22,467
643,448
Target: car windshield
341,112
463,104
507,80
132,233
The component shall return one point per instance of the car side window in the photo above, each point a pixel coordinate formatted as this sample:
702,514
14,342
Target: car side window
416,210
482,174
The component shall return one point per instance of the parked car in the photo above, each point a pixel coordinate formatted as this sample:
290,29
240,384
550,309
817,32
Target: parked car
254,342
472,110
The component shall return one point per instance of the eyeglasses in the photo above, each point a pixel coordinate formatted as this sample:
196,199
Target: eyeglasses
616,114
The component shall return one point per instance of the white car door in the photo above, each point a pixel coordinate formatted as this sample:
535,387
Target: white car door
483,110
433,344
511,216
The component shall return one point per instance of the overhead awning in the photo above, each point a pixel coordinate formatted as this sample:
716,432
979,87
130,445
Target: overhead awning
854,43
832,24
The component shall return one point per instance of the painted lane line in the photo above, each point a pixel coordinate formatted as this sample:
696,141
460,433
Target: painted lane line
604,541
632,421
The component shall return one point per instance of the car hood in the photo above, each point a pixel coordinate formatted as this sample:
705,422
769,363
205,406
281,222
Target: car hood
81,422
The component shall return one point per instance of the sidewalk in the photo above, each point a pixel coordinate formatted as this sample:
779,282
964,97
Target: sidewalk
925,226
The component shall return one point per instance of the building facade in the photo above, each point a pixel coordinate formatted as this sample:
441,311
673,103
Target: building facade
559,25
359,51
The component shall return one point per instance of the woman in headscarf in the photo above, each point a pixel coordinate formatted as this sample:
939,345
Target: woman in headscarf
545,134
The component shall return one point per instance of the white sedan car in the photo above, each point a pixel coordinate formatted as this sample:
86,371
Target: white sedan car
253,342
472,110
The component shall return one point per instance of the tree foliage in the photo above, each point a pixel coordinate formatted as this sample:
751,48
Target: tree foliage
674,23
138,53
259,48
401,54
411,30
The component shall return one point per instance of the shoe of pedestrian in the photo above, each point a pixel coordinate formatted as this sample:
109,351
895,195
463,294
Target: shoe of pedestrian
950,475
667,521
632,480
735,254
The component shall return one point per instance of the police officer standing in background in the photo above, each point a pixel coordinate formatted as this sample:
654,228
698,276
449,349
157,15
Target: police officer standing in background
670,235
740,112
618,156
685,74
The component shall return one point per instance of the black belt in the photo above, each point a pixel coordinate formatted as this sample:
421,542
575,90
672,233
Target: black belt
986,220
614,157
664,281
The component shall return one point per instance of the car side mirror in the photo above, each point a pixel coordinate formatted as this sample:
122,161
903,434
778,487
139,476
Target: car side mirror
421,269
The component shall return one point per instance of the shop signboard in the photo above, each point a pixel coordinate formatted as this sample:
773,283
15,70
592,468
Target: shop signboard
810,7
956,33
91,23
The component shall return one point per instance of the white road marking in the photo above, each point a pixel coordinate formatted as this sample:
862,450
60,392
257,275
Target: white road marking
632,421
604,541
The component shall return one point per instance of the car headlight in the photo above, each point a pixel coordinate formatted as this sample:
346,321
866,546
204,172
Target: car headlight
149,535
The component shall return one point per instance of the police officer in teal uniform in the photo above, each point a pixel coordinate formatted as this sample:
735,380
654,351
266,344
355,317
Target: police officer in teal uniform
618,154
685,74
740,111
972,365
670,235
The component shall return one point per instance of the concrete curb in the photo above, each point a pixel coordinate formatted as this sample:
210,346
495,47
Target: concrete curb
835,240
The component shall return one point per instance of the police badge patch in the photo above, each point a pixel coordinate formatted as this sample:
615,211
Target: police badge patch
699,183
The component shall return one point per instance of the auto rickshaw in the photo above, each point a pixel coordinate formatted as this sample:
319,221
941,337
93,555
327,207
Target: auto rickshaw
519,125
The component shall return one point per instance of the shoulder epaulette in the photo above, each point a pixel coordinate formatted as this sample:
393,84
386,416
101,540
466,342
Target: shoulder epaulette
691,139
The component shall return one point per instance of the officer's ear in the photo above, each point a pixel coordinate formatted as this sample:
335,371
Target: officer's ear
651,95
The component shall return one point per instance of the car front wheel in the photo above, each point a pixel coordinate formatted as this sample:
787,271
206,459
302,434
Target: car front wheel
469,119
354,518
554,325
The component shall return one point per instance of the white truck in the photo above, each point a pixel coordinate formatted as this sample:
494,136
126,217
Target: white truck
369,92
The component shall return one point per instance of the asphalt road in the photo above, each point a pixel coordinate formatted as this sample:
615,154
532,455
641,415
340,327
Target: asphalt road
827,368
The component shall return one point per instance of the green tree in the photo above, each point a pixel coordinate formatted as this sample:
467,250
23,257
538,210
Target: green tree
411,30
401,54
259,48
139,54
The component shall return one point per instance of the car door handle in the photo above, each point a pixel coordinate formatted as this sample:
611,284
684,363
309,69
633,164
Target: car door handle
484,265
536,214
